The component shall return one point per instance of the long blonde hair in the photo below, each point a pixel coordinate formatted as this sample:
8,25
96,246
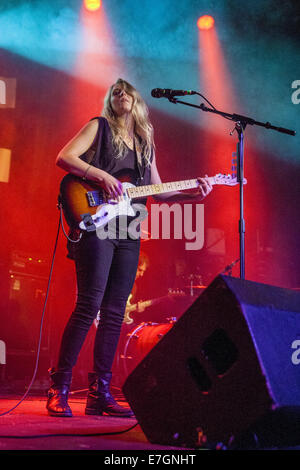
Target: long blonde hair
142,125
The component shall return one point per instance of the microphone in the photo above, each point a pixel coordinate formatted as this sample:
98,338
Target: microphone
168,93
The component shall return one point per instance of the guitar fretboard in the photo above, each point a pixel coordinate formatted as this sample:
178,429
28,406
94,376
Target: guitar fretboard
152,189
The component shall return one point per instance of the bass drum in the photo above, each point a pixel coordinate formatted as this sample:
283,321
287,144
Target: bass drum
140,342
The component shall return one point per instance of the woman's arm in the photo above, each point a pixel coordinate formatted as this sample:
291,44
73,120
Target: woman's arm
201,192
68,159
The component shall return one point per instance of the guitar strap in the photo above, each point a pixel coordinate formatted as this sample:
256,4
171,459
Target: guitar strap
138,150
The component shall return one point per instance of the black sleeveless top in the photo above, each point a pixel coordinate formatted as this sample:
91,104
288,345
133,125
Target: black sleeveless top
103,155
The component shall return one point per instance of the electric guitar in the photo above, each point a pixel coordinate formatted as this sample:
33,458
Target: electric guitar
140,306
85,205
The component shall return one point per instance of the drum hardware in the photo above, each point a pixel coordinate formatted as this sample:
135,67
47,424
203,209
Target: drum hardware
193,288
195,282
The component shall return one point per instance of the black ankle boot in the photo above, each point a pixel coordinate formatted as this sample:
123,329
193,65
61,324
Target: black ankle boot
57,404
100,400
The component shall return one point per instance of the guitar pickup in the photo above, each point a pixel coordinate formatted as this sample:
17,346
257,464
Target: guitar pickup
94,198
88,222
91,199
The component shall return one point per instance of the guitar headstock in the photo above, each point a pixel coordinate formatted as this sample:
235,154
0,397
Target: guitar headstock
228,179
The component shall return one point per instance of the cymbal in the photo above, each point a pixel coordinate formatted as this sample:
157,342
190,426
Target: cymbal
195,287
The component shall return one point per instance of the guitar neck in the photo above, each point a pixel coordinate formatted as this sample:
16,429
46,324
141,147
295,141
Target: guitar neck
152,189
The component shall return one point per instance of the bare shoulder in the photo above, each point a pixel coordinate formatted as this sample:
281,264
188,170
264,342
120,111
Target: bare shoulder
86,134
82,141
90,128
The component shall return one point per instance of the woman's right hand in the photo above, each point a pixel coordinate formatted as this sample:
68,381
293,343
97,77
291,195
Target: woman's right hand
112,186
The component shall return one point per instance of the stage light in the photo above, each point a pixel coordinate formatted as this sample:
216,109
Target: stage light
92,5
205,22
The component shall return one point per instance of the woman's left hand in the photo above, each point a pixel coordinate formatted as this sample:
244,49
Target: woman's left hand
204,188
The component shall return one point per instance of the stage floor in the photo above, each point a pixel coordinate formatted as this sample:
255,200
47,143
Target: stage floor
29,427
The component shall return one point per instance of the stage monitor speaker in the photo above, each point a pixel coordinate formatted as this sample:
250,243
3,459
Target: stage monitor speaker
227,372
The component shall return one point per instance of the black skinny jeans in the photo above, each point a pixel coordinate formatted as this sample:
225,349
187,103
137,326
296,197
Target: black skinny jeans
106,271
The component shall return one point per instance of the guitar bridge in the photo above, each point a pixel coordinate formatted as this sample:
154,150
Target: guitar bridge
88,222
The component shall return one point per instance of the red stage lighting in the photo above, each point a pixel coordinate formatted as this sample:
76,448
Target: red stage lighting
92,5
205,22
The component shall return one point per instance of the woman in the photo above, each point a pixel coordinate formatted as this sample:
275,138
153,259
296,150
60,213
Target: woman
106,147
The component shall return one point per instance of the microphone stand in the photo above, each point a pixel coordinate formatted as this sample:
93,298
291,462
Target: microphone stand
240,126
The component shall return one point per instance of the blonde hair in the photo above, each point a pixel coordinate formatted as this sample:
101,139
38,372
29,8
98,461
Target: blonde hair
142,125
